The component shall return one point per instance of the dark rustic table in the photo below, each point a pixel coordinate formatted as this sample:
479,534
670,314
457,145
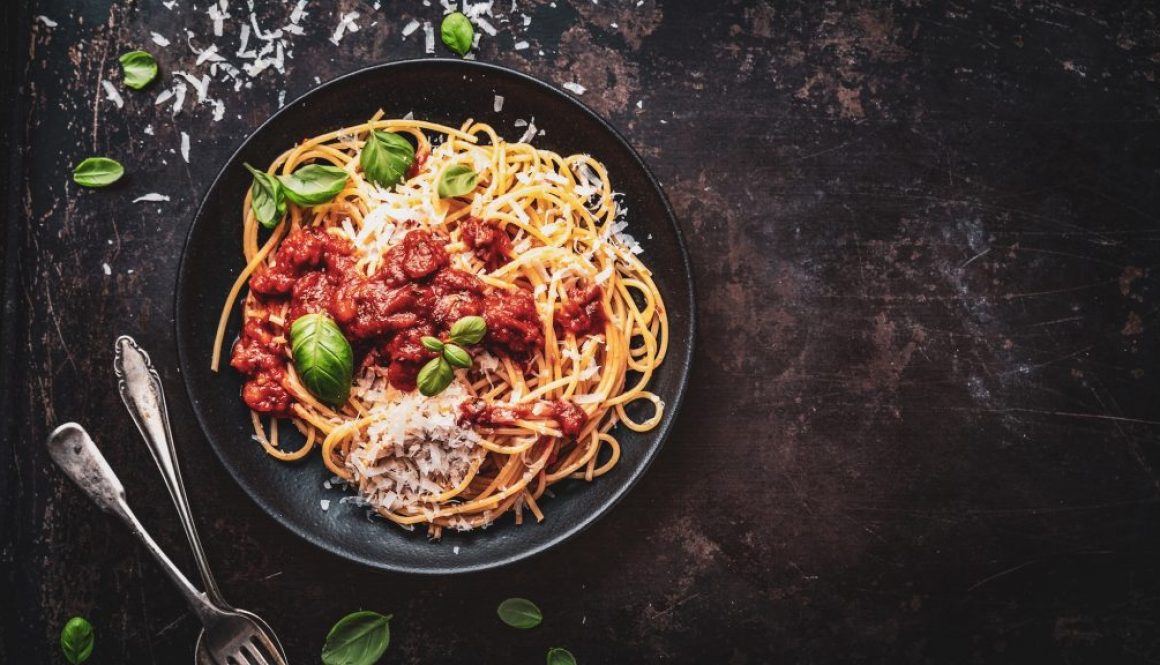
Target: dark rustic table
922,423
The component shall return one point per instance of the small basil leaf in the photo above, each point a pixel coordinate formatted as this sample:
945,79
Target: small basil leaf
314,184
519,613
435,376
360,638
139,68
76,640
456,356
468,330
457,32
385,158
457,180
267,199
98,172
323,357
432,343
560,656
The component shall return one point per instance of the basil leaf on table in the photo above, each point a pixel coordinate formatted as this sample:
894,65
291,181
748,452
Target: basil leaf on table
98,172
267,199
139,68
314,184
457,32
560,656
435,376
468,330
457,180
519,613
385,158
322,357
357,639
76,640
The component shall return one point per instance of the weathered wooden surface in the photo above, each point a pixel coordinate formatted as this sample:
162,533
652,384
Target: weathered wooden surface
922,423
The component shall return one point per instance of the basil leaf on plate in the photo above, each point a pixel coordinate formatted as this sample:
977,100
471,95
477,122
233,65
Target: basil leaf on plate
76,640
267,199
322,357
139,68
359,638
456,356
457,180
431,343
519,613
560,656
468,330
457,32
385,158
314,184
435,376
98,172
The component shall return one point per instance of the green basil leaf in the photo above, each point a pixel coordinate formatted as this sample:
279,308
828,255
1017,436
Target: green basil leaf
457,180
314,184
357,639
435,376
519,613
457,32
76,640
323,357
267,199
468,330
560,656
456,356
385,158
98,172
139,68
432,343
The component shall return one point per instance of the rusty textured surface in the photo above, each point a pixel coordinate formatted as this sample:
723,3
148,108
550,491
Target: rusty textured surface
922,424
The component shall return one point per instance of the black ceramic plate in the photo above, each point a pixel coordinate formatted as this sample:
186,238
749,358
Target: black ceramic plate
446,91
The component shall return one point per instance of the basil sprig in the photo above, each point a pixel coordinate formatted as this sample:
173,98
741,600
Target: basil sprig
457,32
314,184
98,172
560,656
360,638
139,68
519,613
385,158
322,357
76,640
457,180
267,199
437,374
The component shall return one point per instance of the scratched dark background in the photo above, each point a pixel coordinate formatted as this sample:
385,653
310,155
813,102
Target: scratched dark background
922,424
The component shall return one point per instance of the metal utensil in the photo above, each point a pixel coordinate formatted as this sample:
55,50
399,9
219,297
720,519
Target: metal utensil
229,637
144,397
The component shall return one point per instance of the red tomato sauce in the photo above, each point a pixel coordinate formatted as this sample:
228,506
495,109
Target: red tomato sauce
568,416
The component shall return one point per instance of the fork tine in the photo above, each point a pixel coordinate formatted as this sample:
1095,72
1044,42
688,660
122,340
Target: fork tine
254,653
271,648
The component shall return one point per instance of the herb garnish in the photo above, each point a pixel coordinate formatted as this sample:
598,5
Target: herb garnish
76,640
314,184
322,357
457,180
457,32
98,172
385,158
267,199
560,656
519,613
139,68
437,374
357,639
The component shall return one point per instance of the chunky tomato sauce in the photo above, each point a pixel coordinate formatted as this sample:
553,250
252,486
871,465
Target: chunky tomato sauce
414,293
583,312
567,415
490,243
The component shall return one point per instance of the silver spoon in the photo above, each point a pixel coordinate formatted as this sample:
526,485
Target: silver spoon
228,637
144,397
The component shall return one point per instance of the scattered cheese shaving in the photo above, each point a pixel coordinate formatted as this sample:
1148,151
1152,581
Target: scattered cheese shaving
159,39
346,23
497,105
106,268
185,147
575,87
520,45
47,21
429,37
410,28
152,196
111,93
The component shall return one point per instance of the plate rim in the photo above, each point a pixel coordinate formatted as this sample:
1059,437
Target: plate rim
661,435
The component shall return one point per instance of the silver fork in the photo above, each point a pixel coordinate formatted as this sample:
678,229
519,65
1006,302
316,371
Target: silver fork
141,391
228,637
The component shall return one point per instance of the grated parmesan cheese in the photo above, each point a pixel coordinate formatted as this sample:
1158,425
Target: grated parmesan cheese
575,87
111,93
497,105
150,197
346,23
48,23
159,39
410,28
429,37
520,45
185,147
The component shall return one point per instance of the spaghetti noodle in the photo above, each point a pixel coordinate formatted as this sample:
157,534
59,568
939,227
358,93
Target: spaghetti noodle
576,325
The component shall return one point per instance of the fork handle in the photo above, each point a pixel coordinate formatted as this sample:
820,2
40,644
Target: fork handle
73,450
144,397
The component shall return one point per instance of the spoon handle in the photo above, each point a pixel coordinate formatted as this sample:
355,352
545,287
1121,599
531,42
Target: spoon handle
73,450
141,391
